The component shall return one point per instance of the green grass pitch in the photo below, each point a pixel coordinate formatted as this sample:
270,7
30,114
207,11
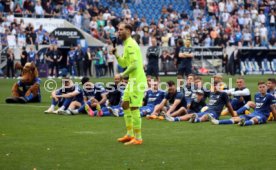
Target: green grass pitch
30,139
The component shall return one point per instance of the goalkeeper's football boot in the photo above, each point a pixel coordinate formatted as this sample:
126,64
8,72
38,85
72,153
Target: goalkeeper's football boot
125,139
134,142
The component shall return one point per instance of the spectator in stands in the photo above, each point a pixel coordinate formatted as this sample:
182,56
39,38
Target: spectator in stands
32,57
86,20
78,20
10,63
39,11
48,10
31,37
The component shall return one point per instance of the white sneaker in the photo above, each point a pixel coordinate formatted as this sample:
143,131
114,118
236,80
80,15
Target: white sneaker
115,112
64,112
169,118
50,110
212,119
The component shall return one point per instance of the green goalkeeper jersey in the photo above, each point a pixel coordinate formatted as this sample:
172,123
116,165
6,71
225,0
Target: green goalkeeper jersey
133,60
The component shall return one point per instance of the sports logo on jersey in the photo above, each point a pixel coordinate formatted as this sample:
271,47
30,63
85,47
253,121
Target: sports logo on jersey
259,105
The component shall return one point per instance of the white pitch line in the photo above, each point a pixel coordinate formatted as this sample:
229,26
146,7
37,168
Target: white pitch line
22,105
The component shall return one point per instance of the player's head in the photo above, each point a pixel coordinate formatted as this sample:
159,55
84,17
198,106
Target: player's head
199,95
190,79
217,78
217,86
187,41
153,41
117,79
171,87
198,81
67,83
240,82
271,83
262,87
125,80
154,85
124,30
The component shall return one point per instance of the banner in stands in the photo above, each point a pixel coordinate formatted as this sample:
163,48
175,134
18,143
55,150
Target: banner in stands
206,61
69,36
260,60
49,24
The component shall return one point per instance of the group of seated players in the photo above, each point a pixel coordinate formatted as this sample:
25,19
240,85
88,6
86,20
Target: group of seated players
184,103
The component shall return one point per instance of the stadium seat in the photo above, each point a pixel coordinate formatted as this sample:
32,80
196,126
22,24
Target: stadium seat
247,69
273,65
255,67
266,66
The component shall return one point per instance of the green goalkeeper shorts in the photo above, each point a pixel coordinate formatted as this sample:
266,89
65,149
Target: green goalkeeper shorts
134,94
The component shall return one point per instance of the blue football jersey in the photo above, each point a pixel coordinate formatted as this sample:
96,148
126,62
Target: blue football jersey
263,103
154,98
71,55
25,86
96,92
217,101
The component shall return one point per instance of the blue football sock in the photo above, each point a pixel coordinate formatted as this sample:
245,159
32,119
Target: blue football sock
248,123
226,122
81,109
105,113
177,119
197,120
54,102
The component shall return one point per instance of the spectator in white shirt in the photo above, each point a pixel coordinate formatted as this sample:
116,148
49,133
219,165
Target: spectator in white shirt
78,20
38,9
261,17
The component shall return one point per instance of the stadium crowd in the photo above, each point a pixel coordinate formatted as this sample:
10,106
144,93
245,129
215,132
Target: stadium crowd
208,23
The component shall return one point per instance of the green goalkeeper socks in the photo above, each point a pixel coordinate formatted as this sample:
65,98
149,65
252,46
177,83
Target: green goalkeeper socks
129,123
137,123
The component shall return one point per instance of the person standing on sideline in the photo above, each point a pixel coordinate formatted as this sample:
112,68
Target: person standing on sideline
185,59
153,63
10,63
110,63
135,89
56,57
78,57
87,62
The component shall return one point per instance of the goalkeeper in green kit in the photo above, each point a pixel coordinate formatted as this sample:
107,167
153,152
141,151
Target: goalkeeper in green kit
135,89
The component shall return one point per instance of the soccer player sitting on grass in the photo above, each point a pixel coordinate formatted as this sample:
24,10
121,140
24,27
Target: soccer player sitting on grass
271,88
241,95
153,97
196,105
114,96
77,102
94,97
189,88
217,101
64,96
173,101
199,86
264,103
